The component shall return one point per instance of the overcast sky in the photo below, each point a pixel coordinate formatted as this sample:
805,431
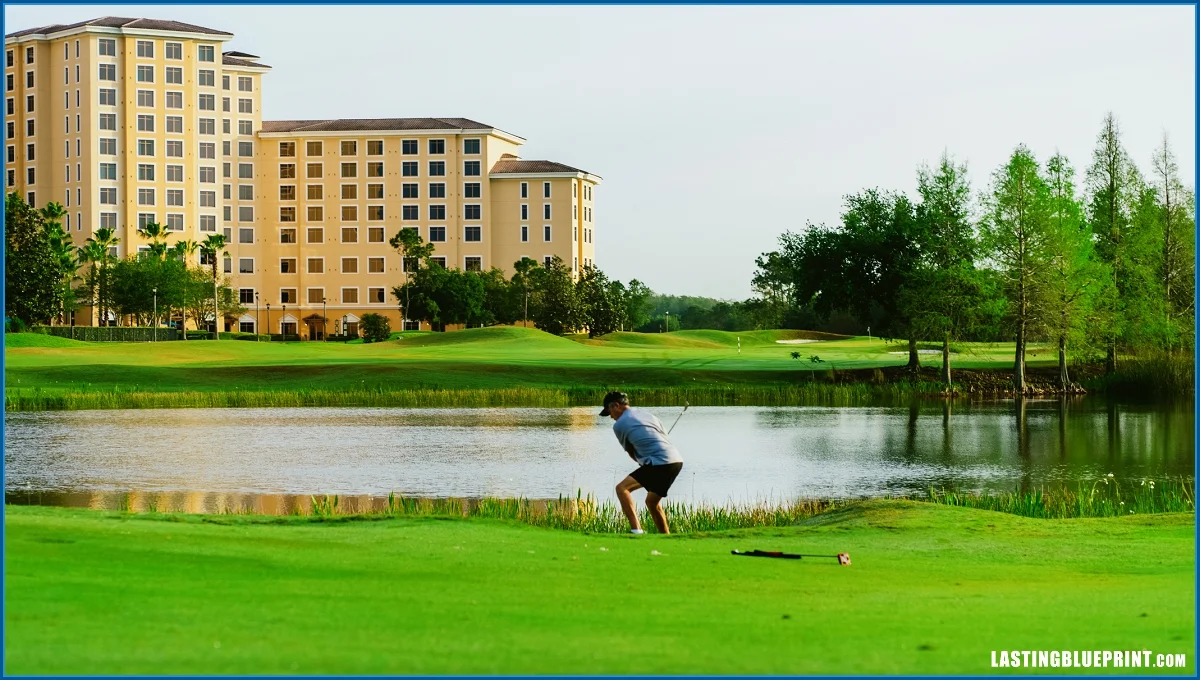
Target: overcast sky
717,128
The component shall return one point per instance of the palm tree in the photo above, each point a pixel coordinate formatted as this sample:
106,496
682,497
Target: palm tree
64,253
104,239
212,246
91,253
184,250
157,235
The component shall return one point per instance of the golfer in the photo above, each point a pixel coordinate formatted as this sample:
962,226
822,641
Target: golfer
645,440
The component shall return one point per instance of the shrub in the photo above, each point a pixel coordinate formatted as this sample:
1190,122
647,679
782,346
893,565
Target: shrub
375,328
109,333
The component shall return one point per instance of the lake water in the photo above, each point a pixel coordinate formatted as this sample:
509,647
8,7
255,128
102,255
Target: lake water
739,454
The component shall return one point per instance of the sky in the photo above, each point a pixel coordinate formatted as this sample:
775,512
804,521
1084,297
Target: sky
716,129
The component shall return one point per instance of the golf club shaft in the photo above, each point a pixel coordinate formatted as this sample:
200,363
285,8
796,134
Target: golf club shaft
685,408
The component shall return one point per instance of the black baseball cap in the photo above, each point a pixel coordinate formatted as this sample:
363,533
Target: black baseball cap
614,398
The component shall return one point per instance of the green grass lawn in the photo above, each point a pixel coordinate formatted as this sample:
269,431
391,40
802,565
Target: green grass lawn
485,358
932,589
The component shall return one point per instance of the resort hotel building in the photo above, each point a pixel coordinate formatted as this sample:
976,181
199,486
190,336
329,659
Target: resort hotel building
131,121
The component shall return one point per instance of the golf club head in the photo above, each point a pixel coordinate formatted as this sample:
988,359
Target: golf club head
844,559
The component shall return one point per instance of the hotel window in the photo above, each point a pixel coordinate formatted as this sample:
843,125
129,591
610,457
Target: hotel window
524,234
175,124
375,265
245,84
349,192
108,47
108,196
287,214
208,150
108,97
287,192
547,261
349,234
245,171
314,170
108,72
315,235
546,233
145,196
208,126
145,49
349,147
224,82
9,86
313,149
410,191
287,171
29,128
29,79
225,104
349,213
437,212
145,123
174,75
145,74
208,78
375,147
245,106
175,198
145,172
374,213
376,295
472,190
349,170
472,212
375,191
524,212
175,149
174,222
375,234
287,149
245,213
108,147
246,297
206,53
287,296
350,296
145,147
108,171
245,235
441,261
108,220
315,295
245,149
208,199
473,264
245,192
546,211
408,147
471,168
437,147
315,192
471,146
287,235
473,234
437,168
174,50
524,190
408,169
437,234
316,213
208,102
375,169
245,127
316,265
29,103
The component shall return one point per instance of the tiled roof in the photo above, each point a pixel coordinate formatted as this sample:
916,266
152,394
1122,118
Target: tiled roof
246,55
372,124
505,166
234,61
122,22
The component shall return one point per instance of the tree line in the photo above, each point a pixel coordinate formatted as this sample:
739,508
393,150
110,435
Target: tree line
1097,270
47,277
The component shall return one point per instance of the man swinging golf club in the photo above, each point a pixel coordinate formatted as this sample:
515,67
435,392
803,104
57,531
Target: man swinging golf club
645,440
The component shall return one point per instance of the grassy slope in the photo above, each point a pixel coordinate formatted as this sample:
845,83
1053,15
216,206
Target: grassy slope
932,590
478,358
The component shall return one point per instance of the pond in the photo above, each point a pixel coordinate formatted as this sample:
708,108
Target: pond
206,457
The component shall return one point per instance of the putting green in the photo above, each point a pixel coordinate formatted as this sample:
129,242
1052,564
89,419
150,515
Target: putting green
932,589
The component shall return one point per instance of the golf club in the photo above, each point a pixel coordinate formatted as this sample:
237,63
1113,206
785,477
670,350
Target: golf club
685,408
842,558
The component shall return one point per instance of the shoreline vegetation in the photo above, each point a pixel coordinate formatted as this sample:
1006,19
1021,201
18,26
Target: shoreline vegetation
1104,497
520,367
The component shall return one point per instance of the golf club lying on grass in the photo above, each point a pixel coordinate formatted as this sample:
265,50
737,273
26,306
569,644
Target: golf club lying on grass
842,558
685,408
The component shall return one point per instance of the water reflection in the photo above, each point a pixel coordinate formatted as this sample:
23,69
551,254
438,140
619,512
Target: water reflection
731,453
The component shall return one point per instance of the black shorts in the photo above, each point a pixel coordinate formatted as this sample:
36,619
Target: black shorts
657,478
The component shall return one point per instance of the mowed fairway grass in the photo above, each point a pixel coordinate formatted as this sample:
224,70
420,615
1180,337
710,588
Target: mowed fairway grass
483,358
932,589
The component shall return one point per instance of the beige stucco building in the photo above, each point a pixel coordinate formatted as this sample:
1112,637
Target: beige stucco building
153,121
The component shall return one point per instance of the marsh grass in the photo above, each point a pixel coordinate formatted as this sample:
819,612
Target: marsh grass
1104,497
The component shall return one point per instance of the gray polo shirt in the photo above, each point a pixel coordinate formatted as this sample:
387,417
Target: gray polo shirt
641,431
